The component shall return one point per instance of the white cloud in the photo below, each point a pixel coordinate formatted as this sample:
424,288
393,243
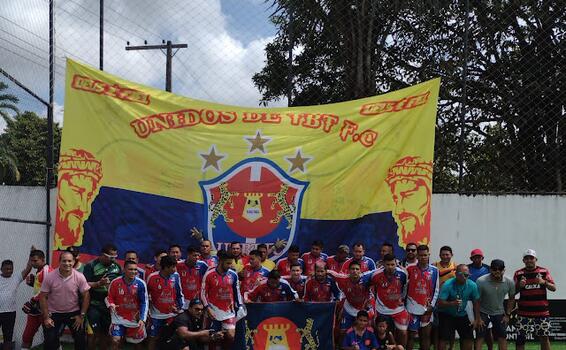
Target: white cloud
215,66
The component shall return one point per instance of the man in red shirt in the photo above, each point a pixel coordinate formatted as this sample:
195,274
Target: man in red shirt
293,257
166,296
366,263
149,269
297,280
253,273
531,283
321,288
206,254
336,262
273,289
191,272
221,297
128,303
314,256
34,319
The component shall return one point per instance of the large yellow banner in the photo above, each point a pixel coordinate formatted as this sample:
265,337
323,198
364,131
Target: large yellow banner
140,167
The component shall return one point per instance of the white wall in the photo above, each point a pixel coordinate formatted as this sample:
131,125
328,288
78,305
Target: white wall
27,203
503,227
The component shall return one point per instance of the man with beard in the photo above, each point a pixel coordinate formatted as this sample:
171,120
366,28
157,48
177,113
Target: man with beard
79,183
454,296
410,182
221,298
532,282
293,257
321,287
99,273
410,255
188,332
366,263
336,262
191,271
253,272
493,288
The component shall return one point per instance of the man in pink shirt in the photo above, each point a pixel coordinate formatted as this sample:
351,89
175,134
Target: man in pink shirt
59,300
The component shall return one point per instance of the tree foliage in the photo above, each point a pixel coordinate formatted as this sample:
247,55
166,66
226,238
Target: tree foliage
512,111
24,139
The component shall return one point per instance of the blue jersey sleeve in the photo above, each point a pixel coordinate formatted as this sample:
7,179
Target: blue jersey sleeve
143,298
180,298
334,289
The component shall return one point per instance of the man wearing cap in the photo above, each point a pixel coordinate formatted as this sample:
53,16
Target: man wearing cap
493,288
532,282
336,262
477,267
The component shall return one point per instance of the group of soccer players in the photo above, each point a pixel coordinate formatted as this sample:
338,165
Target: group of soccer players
399,299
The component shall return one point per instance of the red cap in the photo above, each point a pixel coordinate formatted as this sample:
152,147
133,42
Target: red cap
475,252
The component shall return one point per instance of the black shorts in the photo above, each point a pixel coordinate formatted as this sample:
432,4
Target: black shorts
447,324
98,317
499,329
7,321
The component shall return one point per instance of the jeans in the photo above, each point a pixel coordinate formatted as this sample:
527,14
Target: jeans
61,320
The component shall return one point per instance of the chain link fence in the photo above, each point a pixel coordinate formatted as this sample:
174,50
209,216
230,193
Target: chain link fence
501,118
501,122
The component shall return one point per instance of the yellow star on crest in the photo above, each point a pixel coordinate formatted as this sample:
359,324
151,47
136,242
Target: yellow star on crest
258,143
298,162
211,159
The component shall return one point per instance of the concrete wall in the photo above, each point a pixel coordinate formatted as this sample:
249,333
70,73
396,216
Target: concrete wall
503,227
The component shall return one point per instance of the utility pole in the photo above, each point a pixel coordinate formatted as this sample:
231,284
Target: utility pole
168,47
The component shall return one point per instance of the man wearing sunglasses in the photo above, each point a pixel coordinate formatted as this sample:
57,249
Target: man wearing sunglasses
99,273
187,331
410,255
493,288
454,296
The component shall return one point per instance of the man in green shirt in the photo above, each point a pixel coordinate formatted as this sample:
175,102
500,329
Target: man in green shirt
99,273
493,288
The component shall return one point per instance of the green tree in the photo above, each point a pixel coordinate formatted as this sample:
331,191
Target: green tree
8,169
25,139
513,116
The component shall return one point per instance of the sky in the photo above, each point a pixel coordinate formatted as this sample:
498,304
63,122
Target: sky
225,38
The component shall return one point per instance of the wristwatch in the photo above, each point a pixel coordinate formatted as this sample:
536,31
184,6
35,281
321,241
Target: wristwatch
83,315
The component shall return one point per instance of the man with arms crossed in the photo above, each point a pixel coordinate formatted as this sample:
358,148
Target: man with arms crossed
493,288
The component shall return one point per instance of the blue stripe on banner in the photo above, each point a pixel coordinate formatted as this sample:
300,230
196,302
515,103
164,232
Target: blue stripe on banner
145,222
287,326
